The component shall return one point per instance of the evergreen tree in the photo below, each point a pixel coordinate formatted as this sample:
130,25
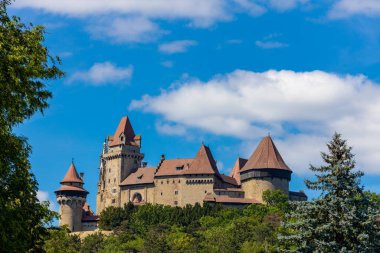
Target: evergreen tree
342,219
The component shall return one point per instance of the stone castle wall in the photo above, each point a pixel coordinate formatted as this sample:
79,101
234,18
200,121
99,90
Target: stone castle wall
255,187
71,212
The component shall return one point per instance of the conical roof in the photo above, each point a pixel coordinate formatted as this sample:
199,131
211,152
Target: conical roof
266,156
203,163
125,128
72,175
235,172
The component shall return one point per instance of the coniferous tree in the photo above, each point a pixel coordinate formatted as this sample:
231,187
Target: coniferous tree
342,219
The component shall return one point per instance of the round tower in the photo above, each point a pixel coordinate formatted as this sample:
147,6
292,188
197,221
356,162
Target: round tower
71,198
265,170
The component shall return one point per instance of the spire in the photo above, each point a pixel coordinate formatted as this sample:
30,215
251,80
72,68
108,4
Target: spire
266,156
124,133
203,162
235,172
72,175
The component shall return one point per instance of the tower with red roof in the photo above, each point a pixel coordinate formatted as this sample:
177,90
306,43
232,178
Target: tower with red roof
71,197
121,156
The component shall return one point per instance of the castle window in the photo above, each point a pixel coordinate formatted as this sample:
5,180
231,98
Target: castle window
179,181
121,138
113,201
176,192
109,180
176,202
114,180
113,190
162,182
109,170
161,193
206,191
179,167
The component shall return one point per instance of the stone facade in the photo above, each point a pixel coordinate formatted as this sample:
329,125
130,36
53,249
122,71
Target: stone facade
124,178
178,182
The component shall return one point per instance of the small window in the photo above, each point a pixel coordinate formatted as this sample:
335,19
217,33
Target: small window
206,191
176,192
109,170
161,193
179,167
179,181
109,180
175,202
167,182
114,180
162,182
113,190
113,201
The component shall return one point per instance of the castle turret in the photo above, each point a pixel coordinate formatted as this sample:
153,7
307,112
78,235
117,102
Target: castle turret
265,170
71,198
120,157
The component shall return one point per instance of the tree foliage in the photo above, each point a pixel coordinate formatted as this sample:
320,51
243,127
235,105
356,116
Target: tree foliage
25,66
342,219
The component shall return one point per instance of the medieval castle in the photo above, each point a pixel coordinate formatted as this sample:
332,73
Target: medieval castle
123,178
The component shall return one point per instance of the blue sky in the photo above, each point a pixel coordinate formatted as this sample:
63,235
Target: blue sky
222,72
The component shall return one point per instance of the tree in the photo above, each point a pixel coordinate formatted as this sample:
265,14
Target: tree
60,241
93,243
25,65
112,217
342,219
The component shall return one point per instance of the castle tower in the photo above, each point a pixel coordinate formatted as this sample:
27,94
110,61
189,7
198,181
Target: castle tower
265,170
120,157
71,198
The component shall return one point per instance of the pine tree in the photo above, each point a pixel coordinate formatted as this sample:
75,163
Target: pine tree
342,219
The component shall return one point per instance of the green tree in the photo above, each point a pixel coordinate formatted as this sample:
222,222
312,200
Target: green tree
342,219
25,66
60,241
112,217
93,243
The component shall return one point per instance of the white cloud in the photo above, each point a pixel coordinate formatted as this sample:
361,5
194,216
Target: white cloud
347,8
103,73
131,21
44,196
170,129
124,30
284,5
178,46
300,109
270,44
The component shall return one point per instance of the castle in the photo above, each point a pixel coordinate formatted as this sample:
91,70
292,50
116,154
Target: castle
124,177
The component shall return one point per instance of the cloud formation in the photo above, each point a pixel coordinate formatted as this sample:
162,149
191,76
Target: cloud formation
347,8
125,30
178,46
44,196
103,73
135,21
301,109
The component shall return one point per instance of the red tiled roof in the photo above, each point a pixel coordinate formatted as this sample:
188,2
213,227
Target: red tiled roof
174,167
203,163
229,180
235,172
228,200
71,175
266,156
141,176
70,188
125,128
88,214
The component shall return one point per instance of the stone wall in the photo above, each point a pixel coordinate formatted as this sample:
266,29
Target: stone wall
255,187
70,212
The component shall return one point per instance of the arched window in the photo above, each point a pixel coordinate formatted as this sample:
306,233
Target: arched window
137,198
